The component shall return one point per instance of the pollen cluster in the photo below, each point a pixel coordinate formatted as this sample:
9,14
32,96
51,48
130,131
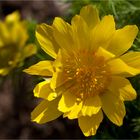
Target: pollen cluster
90,74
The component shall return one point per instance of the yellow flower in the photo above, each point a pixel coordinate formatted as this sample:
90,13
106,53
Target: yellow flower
88,75
13,36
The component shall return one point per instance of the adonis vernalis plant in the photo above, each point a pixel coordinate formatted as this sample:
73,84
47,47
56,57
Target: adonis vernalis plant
89,73
13,38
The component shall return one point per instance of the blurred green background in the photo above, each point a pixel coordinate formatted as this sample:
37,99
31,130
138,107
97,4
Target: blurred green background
16,97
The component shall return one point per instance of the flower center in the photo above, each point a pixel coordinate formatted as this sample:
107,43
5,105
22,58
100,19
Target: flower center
90,73
92,81
7,55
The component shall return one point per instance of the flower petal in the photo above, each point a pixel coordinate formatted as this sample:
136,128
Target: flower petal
4,71
58,78
74,112
89,125
123,88
42,68
14,17
67,101
18,34
91,106
43,90
1,43
122,39
4,33
90,15
44,35
63,34
132,59
113,107
119,67
102,33
80,32
28,50
106,54
46,111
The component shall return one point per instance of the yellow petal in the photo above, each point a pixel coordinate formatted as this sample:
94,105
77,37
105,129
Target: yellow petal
89,125
104,53
81,32
43,90
4,71
122,39
42,68
44,35
19,34
4,33
74,112
56,80
1,43
29,50
67,101
58,61
59,79
119,67
123,88
102,33
46,111
14,17
60,82
90,15
91,106
63,34
132,59
113,107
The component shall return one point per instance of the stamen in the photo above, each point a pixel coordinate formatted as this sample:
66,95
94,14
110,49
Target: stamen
90,78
